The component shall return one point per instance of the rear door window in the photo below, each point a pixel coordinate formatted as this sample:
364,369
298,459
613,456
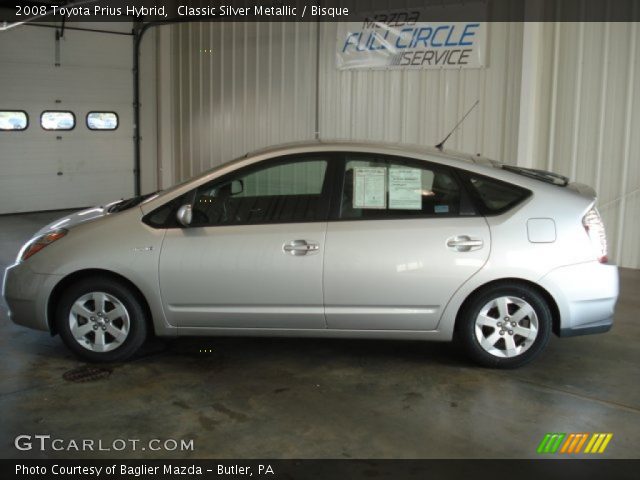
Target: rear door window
388,187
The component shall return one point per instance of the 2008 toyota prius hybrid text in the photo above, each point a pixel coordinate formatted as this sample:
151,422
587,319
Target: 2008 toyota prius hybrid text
328,240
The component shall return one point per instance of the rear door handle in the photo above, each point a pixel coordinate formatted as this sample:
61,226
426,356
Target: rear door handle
300,247
464,243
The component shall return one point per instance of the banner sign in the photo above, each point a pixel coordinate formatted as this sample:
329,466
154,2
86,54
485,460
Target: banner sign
179,469
383,42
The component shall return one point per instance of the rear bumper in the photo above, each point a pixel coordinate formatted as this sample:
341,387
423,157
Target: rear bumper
27,294
586,295
588,330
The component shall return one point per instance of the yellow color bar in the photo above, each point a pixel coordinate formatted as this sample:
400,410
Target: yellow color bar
591,442
598,442
596,445
606,441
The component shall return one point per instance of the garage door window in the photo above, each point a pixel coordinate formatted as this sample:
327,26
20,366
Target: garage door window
284,192
57,120
13,120
102,120
380,187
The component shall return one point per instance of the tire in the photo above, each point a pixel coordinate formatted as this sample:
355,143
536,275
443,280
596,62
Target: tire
495,339
112,333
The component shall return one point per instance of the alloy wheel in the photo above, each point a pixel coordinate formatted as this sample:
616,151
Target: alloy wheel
506,326
99,322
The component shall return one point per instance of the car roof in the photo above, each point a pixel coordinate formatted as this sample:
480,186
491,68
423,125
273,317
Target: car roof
476,163
368,146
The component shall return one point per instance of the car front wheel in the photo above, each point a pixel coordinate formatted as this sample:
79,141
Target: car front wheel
101,320
505,326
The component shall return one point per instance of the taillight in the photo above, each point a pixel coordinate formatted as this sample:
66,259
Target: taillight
595,230
39,243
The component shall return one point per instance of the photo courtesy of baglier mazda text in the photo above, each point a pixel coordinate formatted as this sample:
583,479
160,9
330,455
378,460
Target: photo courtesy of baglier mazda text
318,239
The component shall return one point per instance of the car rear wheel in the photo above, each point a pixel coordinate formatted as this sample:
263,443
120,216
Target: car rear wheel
505,326
101,320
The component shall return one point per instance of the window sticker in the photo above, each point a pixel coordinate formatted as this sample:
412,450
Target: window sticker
405,188
369,187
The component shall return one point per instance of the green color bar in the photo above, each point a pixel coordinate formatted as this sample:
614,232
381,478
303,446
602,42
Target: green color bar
543,443
558,442
547,449
551,442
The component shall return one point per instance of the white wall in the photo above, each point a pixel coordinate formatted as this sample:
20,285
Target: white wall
422,106
237,87
588,120
243,86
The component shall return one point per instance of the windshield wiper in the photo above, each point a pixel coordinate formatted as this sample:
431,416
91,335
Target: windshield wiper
129,202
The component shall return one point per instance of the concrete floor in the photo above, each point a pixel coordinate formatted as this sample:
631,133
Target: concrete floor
289,398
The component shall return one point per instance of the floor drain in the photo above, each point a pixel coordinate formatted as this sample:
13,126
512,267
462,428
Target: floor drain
86,374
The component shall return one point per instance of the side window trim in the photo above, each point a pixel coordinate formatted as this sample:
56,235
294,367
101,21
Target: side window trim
467,203
339,179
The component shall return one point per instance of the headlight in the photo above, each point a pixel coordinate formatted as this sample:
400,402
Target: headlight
38,243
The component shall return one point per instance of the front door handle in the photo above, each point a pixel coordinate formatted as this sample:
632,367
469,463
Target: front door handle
300,247
464,243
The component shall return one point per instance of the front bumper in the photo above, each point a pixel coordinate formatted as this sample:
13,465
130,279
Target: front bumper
586,296
27,294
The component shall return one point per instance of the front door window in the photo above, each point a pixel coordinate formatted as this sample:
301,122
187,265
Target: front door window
290,191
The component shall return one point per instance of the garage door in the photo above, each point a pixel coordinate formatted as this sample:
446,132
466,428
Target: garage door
69,165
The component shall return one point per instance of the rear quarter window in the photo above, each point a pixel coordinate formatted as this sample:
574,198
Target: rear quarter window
495,196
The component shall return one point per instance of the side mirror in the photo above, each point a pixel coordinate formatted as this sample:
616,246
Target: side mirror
185,215
237,187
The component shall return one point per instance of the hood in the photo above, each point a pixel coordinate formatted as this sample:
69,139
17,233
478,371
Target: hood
93,213
76,218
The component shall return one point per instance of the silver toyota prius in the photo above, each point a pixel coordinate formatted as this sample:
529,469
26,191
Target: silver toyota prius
328,240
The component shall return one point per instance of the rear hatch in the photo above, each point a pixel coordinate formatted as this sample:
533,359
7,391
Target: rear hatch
591,221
